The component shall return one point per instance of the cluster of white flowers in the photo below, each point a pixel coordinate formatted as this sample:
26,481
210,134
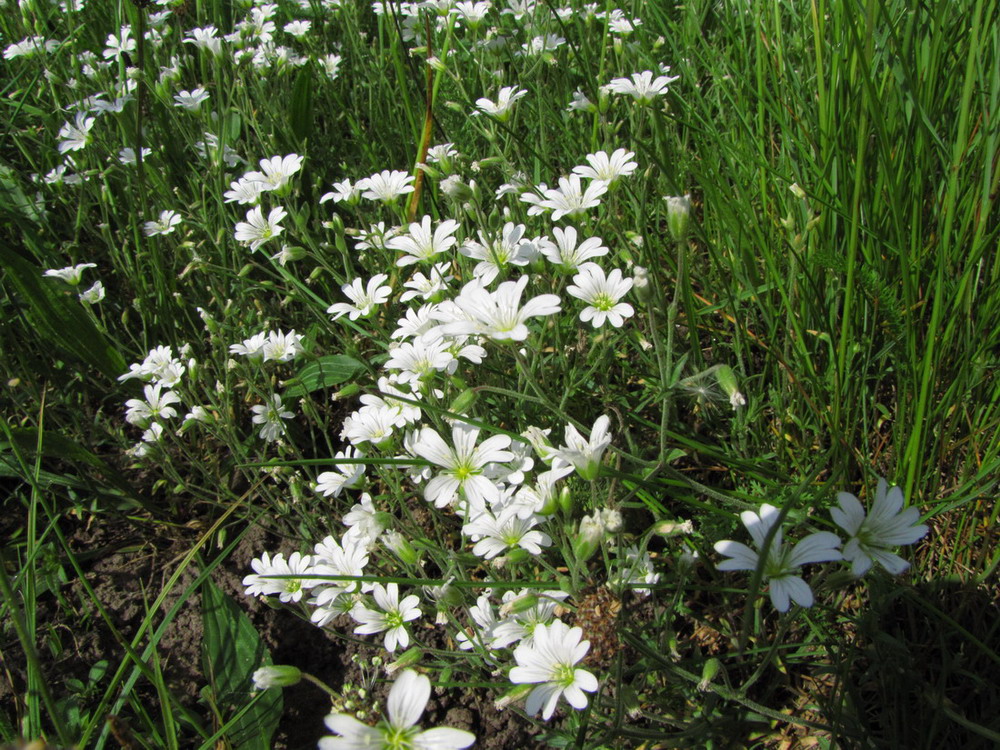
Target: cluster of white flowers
162,373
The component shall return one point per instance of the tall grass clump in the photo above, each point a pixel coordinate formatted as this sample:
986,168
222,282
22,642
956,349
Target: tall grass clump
600,375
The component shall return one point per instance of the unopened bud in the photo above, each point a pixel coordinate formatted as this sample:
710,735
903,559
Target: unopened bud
708,673
463,401
565,501
397,543
278,675
517,693
727,381
673,528
678,213
588,537
348,391
407,659
640,283
520,604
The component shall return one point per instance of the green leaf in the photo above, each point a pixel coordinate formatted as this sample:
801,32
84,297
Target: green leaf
322,373
54,446
59,319
231,652
300,111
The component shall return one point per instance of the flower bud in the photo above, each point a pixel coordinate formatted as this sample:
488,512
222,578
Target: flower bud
517,555
521,604
678,212
565,500
348,391
673,528
463,401
640,283
278,675
453,187
407,659
517,693
708,673
397,543
727,380
588,537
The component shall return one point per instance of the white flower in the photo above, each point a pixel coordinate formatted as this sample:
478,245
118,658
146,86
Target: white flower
347,475
75,135
420,244
442,153
70,274
463,466
93,295
781,565
584,455
496,534
275,171
275,576
244,191
282,347
642,87
427,287
191,100
363,522
386,186
331,65
391,616
364,298
566,253
205,38
608,168
888,525
399,731
157,404
116,45
522,624
166,224
342,562
580,103
496,254
542,44
253,347
343,192
502,107
473,11
297,28
420,359
498,315
127,155
269,416
569,199
257,230
551,662
601,295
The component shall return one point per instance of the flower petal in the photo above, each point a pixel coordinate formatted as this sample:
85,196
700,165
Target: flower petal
443,738
407,699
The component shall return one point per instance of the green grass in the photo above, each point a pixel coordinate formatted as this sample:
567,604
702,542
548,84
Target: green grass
841,260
